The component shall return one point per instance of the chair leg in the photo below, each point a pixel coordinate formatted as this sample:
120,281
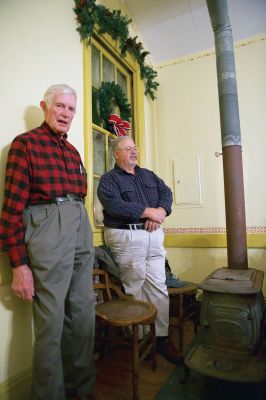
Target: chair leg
103,340
109,332
195,313
153,333
181,321
195,325
135,329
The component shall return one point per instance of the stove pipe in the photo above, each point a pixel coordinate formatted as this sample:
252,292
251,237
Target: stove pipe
231,135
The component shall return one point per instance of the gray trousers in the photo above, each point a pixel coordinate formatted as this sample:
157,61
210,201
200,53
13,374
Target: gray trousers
59,246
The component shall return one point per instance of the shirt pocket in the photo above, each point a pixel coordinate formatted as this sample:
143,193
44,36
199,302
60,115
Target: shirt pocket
151,190
128,194
34,216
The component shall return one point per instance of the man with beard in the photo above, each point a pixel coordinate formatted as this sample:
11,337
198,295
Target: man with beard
135,203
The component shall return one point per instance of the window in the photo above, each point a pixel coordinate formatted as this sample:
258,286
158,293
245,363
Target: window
103,63
104,68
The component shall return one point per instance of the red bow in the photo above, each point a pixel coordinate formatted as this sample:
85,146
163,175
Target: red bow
120,126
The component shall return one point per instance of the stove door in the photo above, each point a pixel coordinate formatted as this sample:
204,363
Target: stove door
231,321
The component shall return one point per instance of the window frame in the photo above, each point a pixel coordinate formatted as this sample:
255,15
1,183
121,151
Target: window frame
137,89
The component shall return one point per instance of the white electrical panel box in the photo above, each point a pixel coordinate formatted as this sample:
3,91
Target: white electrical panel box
187,181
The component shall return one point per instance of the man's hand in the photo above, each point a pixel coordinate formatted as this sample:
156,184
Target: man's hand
151,226
23,285
154,214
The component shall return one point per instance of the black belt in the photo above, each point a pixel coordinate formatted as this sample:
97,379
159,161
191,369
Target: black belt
68,198
128,226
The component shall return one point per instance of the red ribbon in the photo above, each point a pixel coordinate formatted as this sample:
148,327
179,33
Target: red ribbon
120,126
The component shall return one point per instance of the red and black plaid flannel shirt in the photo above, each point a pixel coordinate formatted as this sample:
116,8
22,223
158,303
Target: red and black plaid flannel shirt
40,166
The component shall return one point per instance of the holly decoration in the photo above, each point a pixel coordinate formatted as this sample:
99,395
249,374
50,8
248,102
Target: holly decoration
88,13
111,94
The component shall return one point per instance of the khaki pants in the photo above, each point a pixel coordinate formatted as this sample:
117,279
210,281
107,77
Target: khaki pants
140,256
59,247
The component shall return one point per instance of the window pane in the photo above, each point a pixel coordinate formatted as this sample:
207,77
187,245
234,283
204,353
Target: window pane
95,107
95,66
111,159
108,70
98,153
122,81
97,207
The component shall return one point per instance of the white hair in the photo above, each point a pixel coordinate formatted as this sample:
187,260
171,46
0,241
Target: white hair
59,88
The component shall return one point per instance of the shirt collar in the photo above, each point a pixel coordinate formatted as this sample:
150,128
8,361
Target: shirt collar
49,131
122,171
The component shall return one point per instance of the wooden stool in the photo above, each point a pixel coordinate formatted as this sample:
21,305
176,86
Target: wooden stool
183,309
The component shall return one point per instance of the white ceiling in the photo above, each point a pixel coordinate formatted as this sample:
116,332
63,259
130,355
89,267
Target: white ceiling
173,28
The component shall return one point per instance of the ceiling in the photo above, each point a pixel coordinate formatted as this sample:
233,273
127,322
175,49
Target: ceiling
174,28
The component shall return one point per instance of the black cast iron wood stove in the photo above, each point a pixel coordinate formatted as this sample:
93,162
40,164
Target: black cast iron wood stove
228,346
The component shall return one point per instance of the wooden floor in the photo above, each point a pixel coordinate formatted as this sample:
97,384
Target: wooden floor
114,374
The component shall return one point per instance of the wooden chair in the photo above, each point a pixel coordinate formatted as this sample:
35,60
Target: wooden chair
121,311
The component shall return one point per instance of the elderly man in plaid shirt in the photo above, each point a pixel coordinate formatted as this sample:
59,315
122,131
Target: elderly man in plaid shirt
46,233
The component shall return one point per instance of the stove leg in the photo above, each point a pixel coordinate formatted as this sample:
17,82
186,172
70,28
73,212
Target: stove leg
183,380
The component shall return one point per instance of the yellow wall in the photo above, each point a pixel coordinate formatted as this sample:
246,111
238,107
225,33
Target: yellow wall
187,115
39,46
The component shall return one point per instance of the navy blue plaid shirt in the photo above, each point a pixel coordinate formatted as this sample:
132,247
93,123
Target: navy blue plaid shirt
125,196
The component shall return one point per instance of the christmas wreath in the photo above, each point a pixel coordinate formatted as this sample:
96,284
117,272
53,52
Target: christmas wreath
111,94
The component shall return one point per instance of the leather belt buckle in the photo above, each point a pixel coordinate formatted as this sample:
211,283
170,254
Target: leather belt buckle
135,227
71,197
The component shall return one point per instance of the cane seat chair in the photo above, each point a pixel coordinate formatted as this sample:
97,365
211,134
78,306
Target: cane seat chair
119,310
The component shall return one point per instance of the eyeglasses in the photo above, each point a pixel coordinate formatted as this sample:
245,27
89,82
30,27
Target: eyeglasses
129,148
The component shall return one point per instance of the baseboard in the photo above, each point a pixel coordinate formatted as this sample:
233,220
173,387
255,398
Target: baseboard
17,387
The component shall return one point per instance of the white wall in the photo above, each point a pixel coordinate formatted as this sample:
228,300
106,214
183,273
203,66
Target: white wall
195,264
39,46
188,123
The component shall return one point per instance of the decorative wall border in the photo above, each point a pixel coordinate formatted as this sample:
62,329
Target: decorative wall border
211,237
209,230
210,52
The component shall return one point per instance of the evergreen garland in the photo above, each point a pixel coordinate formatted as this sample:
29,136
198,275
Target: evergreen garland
109,94
113,22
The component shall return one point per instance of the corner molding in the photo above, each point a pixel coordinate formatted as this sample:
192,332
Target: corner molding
18,383
209,52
